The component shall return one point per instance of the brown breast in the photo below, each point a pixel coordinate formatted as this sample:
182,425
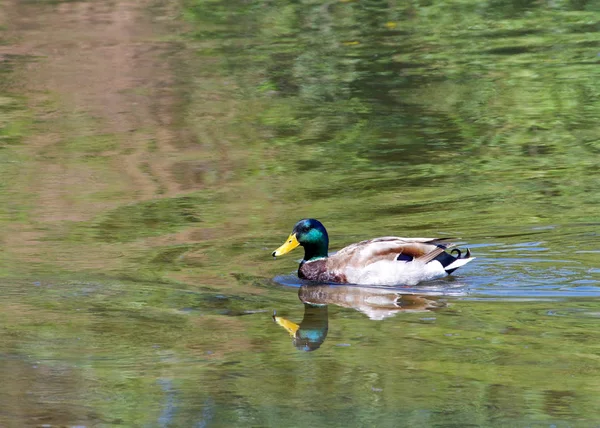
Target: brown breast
316,270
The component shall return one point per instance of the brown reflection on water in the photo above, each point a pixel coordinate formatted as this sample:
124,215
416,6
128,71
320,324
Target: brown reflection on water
42,395
108,125
41,390
99,71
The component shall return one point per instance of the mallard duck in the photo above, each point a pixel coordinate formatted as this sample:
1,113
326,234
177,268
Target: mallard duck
381,261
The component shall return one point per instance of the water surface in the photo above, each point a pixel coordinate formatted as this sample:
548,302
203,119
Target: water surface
152,156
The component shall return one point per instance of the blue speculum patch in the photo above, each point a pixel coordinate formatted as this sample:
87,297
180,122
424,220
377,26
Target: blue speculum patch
404,258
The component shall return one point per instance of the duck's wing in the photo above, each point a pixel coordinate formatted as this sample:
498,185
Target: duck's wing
390,248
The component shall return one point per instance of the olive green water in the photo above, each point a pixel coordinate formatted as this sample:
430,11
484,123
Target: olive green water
153,155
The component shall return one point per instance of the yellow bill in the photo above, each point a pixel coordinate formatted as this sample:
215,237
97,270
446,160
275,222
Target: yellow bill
290,326
288,246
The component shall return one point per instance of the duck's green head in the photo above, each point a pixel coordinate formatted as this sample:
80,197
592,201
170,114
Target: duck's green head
309,233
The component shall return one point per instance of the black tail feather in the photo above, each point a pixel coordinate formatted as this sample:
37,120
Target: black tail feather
446,259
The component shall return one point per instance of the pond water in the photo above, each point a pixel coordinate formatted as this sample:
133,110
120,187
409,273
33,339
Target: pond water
154,154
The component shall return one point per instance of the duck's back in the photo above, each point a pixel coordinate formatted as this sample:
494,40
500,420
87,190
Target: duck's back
392,248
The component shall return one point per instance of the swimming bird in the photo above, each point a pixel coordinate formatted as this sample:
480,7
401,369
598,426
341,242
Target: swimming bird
388,260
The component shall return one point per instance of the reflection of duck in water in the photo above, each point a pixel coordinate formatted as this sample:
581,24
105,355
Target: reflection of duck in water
380,261
376,303
311,332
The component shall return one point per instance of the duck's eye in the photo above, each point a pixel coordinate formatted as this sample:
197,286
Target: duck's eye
290,241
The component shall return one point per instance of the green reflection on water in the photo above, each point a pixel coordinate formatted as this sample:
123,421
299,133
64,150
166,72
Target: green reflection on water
144,295
118,349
